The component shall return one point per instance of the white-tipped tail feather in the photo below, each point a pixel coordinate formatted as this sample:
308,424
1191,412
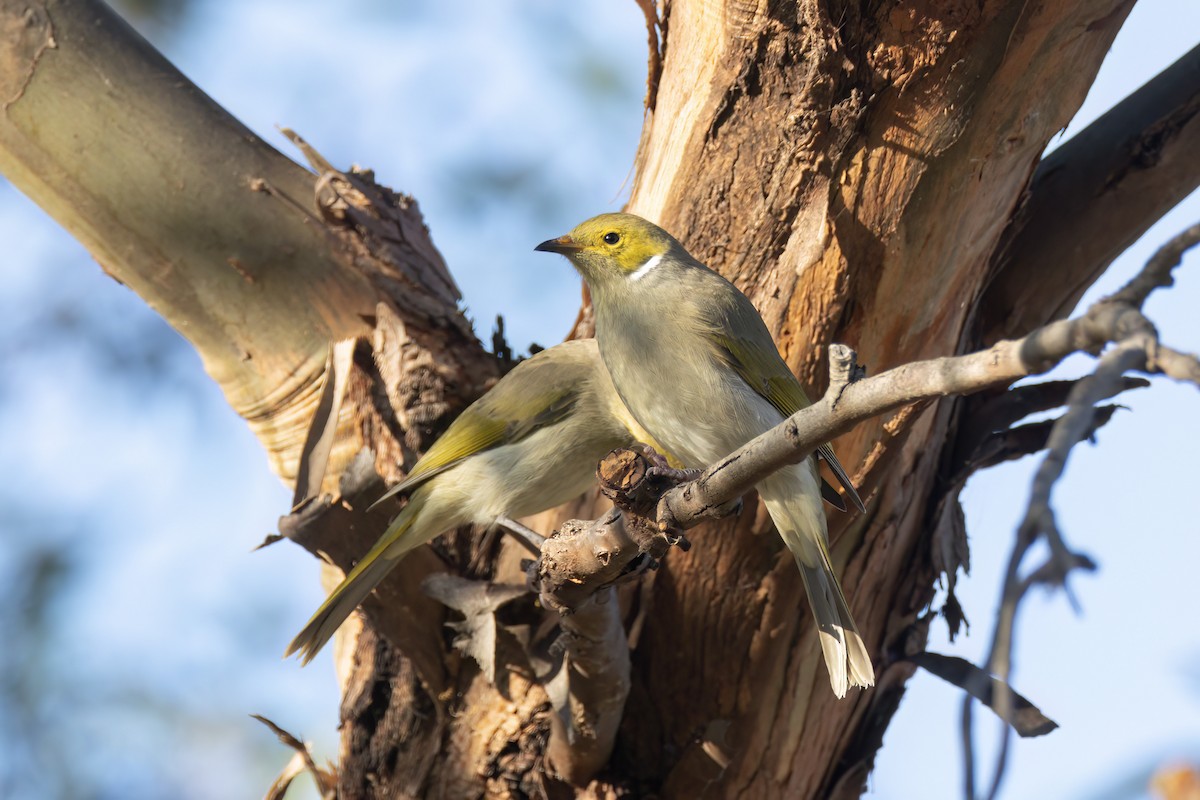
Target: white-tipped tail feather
793,499
362,580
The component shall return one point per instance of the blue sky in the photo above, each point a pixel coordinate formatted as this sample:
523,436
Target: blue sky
478,112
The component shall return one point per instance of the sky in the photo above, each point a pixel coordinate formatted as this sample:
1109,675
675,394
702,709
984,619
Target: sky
131,496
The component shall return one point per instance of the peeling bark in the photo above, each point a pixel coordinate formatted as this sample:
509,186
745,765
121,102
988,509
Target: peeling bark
855,168
852,169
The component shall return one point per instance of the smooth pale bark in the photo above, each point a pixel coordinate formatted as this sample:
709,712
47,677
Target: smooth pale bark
176,199
263,266
178,223
851,166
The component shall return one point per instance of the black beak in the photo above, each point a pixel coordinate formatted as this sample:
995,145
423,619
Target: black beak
562,245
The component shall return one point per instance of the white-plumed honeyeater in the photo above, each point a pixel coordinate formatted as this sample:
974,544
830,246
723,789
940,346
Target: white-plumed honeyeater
695,365
529,444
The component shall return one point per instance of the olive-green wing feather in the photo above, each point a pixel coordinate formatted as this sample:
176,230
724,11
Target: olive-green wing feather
753,356
495,419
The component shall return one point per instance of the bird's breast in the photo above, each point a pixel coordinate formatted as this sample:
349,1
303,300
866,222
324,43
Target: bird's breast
675,385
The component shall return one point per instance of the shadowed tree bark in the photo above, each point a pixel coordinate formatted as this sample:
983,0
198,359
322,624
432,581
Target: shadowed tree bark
862,170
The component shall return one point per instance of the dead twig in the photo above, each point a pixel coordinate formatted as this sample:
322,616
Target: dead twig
301,761
1137,348
654,64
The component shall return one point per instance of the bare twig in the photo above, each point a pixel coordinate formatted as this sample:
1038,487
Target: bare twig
846,404
1177,365
301,761
654,63
1157,272
1137,348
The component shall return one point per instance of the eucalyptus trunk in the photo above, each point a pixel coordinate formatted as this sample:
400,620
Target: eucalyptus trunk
859,169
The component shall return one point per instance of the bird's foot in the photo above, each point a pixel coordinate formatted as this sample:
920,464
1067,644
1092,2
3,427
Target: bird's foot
675,538
530,539
655,458
669,474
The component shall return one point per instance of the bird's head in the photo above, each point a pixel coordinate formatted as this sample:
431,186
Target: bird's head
614,249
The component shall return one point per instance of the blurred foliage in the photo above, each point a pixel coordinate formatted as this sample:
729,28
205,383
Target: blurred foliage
1177,782
36,576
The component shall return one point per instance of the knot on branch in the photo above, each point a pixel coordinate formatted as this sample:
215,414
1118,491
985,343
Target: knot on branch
636,486
387,226
581,558
843,370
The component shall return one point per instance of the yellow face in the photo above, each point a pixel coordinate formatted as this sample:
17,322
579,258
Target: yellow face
611,245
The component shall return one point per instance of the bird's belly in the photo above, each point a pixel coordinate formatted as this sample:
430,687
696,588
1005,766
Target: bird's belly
701,432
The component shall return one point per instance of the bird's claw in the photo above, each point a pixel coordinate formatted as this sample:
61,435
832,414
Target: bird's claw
676,476
655,458
676,538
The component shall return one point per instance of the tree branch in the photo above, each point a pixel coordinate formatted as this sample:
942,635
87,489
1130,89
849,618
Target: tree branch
574,576
1092,198
1137,348
654,63
589,691
847,403
212,226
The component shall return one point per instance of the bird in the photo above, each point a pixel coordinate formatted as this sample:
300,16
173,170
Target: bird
530,443
695,365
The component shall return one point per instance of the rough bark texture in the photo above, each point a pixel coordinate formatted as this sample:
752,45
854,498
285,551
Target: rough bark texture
852,166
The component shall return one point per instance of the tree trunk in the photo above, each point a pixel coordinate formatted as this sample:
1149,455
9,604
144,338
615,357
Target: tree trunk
854,167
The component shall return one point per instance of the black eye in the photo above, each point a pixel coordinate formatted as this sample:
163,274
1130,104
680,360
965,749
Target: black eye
612,237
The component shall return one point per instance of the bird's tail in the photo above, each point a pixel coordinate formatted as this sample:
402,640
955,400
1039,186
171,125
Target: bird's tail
793,498
395,542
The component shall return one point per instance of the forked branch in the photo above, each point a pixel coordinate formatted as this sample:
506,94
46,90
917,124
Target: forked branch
1136,348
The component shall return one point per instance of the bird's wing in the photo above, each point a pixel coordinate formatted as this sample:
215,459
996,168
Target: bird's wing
489,422
753,356
839,472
